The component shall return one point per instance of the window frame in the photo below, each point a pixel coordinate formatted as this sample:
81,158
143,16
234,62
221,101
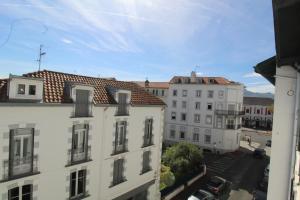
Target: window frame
19,89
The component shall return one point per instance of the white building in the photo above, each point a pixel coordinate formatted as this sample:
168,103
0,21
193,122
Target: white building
205,111
258,112
65,136
284,71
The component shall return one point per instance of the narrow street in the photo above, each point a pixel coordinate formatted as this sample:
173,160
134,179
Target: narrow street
240,168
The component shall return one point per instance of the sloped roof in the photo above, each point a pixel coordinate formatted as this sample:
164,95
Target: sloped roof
203,80
258,101
160,85
54,84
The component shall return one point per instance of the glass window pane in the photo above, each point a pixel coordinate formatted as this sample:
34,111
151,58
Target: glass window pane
27,192
73,184
13,194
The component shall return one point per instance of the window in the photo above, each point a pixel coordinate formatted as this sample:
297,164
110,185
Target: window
21,89
122,104
148,132
219,122
183,116
209,106
120,137
162,93
172,133
156,92
153,92
118,171
196,137
82,103
207,139
78,184
198,93
146,162
184,93
174,93
197,118
174,104
21,151
32,89
79,142
221,94
26,193
210,94
182,134
13,194
247,110
173,115
197,105
184,104
257,111
208,119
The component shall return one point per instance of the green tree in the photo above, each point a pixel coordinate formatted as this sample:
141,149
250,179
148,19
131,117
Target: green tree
167,178
183,159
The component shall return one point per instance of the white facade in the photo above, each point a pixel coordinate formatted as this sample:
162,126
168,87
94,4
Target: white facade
53,127
207,115
284,163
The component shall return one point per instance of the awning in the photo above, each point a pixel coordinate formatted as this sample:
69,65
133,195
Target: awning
267,69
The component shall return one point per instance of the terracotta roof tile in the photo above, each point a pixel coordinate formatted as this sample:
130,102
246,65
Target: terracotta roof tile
161,85
54,83
204,80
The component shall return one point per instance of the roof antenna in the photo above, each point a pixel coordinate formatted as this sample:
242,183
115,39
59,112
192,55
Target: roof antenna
40,56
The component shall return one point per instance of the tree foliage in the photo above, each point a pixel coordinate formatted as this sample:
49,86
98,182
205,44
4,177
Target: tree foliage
183,158
167,178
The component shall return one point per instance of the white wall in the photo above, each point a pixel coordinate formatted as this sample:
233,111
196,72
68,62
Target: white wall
53,138
283,131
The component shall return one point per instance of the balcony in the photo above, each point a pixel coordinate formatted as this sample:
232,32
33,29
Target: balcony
229,112
19,168
77,156
120,148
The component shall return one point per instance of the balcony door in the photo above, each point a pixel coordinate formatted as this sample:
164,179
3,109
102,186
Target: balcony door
79,148
21,151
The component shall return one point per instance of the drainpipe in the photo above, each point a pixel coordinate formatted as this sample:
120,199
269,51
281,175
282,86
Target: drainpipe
296,138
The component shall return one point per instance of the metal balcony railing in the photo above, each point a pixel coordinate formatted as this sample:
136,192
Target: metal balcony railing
79,155
229,112
19,167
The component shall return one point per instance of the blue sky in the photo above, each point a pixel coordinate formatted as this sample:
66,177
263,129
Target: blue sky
135,39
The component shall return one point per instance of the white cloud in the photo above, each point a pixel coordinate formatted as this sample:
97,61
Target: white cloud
67,41
110,25
262,88
252,75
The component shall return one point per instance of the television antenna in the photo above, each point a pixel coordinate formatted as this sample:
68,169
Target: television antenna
40,56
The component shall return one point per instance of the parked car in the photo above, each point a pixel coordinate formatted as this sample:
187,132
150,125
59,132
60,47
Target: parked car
202,195
259,195
259,153
269,143
216,185
266,172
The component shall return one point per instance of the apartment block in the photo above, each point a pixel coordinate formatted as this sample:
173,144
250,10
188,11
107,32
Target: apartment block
65,136
205,111
258,113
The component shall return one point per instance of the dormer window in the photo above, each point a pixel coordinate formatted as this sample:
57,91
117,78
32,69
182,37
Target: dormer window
21,89
25,89
32,90
82,104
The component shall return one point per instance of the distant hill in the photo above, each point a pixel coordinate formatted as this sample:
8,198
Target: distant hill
248,93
